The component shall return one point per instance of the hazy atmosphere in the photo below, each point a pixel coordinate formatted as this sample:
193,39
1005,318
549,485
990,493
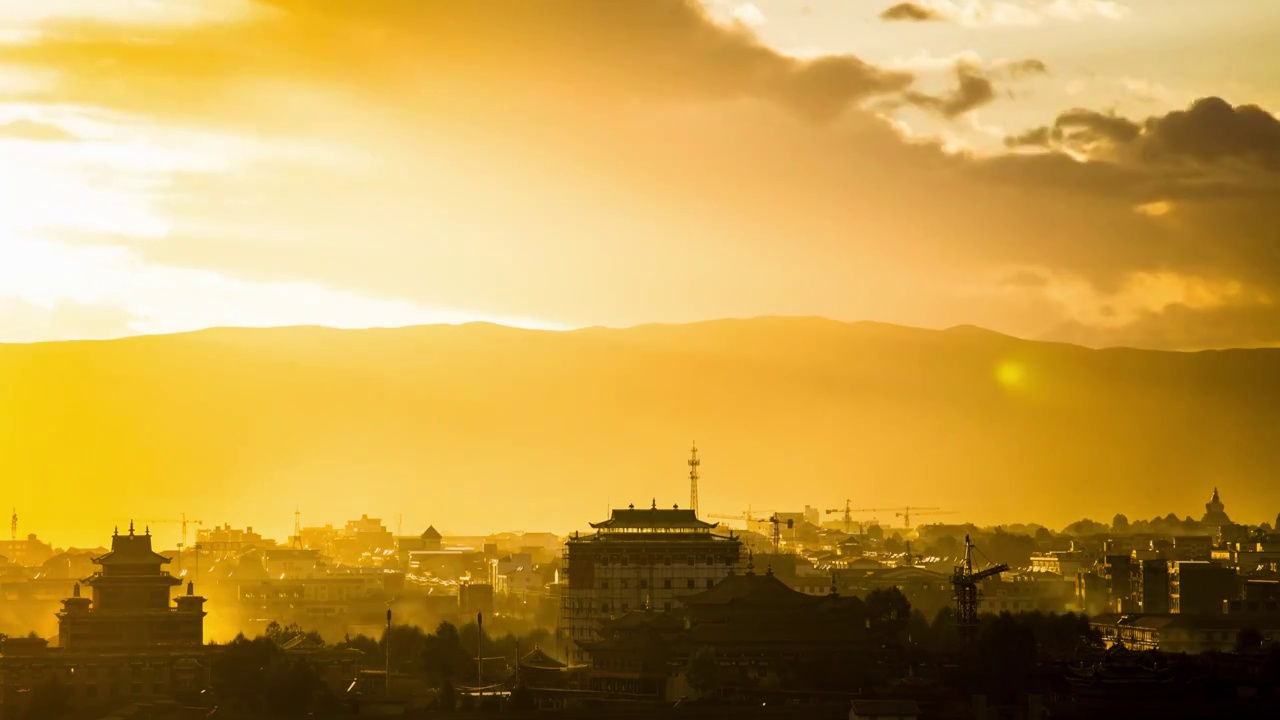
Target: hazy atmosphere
569,359
1089,171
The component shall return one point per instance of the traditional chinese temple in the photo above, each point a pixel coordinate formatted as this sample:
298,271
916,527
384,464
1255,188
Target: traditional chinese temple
130,640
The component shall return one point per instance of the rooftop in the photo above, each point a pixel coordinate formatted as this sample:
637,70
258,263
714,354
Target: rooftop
750,588
653,519
131,549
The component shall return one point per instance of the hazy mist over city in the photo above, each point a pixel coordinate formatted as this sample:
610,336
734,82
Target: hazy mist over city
639,358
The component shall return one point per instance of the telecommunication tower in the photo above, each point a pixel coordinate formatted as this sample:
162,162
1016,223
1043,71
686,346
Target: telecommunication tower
694,462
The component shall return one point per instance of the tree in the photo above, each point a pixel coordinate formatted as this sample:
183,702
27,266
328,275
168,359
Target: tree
1008,649
1087,527
875,532
447,699
703,671
946,636
1120,523
293,687
443,656
365,644
241,670
888,612
281,634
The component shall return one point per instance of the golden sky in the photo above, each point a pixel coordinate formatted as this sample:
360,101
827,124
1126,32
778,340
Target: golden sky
1096,171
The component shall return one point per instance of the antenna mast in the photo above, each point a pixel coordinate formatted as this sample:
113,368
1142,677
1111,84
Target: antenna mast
297,528
694,462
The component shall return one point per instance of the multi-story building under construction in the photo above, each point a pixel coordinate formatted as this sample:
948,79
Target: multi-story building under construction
638,559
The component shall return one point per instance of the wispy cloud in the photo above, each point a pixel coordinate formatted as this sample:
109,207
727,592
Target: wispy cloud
1005,12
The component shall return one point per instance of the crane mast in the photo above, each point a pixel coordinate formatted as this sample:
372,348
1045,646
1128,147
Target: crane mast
965,583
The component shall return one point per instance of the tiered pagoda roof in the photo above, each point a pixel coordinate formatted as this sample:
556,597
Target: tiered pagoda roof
540,660
654,519
131,549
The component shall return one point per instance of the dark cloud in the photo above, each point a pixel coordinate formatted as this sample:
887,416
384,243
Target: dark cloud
975,86
1024,68
973,89
1208,132
1035,137
1208,152
521,133
438,54
1092,126
1212,130
25,129
911,12
1182,327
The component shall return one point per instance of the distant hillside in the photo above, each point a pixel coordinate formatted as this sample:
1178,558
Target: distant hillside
480,427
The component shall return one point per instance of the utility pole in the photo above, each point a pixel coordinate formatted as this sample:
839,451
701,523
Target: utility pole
479,655
387,674
694,462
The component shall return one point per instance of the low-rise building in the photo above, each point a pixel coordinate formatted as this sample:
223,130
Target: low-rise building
28,552
1200,586
1183,633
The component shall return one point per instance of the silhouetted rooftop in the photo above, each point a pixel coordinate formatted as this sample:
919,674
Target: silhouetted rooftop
131,549
539,659
750,587
653,518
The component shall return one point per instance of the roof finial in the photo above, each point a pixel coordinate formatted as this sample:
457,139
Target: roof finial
655,504
751,562
191,588
130,527
116,532
75,590
146,530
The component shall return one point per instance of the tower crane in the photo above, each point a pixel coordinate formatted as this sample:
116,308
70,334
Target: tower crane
182,521
748,517
777,531
965,583
907,512
903,512
848,517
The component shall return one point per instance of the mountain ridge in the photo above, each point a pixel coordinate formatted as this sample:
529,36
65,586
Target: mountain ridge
485,427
